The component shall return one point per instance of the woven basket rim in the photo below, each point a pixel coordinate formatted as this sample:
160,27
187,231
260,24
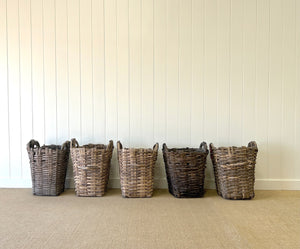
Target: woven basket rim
90,146
50,146
34,145
138,149
121,148
251,145
184,150
75,145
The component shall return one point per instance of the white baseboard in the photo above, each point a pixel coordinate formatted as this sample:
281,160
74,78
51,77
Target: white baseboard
260,184
15,183
277,184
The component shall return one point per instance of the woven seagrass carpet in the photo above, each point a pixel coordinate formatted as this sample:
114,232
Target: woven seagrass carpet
270,220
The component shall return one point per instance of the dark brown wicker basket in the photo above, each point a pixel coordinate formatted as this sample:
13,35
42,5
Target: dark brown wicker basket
48,167
185,170
91,166
234,169
137,170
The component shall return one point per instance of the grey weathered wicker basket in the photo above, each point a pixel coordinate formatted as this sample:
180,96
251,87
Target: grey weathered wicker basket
234,169
48,167
137,170
91,166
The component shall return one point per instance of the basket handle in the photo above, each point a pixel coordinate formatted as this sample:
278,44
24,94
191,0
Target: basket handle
66,145
110,145
203,146
32,144
211,146
119,145
155,147
252,144
165,146
74,143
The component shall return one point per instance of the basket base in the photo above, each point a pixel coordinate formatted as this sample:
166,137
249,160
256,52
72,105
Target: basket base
47,194
187,195
228,197
136,196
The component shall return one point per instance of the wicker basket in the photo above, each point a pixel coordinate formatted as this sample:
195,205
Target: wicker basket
137,170
185,170
91,166
48,167
234,169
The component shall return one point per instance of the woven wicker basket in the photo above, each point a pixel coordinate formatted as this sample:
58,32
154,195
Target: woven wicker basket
234,169
185,170
48,167
137,170
91,166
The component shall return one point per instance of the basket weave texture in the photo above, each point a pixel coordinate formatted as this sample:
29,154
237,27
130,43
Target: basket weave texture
91,166
48,166
185,170
137,170
234,169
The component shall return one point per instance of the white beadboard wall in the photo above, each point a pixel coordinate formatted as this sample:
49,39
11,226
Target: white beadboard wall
146,71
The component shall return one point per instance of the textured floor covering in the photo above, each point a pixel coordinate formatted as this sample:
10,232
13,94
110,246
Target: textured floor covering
271,220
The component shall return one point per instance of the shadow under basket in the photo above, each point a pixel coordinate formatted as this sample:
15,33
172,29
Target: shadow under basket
137,170
185,170
91,166
234,169
48,166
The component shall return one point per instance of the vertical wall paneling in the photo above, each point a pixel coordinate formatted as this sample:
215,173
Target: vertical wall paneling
223,71
288,90
5,145
25,82
275,89
111,84
62,76
49,75
37,69
160,65
262,86
210,76
135,76
147,72
98,70
14,88
86,50
249,72
236,71
74,69
123,71
197,53
172,80
185,72
111,69
297,97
